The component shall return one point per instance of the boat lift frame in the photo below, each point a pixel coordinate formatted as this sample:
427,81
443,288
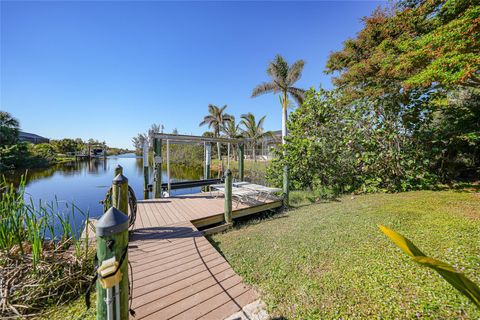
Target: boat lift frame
158,138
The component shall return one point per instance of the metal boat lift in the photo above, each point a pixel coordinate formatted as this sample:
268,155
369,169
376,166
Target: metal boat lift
157,186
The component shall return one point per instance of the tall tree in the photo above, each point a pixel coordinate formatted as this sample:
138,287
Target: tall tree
154,129
283,77
254,130
417,45
216,120
9,128
138,142
232,130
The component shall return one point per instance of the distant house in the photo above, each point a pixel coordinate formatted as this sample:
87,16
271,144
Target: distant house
31,137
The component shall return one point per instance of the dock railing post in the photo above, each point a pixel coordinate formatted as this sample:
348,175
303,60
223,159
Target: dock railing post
228,196
208,158
157,153
168,167
240,161
112,249
145,169
120,193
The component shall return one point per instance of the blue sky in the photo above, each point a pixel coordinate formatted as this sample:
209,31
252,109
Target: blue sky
107,70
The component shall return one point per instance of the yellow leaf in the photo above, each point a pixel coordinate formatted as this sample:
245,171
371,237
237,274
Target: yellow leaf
403,243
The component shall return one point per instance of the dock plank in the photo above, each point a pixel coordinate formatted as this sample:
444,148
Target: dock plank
177,273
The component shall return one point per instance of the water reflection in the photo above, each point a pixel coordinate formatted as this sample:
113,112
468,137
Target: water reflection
86,182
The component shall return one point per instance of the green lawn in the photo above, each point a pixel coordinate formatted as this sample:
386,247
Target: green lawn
329,260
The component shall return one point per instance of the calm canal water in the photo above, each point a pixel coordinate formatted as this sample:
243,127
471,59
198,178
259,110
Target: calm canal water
85,183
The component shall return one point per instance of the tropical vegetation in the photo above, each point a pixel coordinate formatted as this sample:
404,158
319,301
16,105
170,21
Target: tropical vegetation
43,262
283,76
405,110
216,120
254,131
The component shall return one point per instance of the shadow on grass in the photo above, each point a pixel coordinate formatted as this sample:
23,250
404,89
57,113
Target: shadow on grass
305,198
252,219
459,187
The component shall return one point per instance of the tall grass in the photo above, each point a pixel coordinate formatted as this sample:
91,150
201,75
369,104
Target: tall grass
43,259
27,227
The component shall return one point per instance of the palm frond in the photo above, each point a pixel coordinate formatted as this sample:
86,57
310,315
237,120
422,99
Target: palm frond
207,120
295,72
212,108
278,70
263,88
297,94
260,122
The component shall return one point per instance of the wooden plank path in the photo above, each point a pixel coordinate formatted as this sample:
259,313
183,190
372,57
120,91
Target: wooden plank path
177,273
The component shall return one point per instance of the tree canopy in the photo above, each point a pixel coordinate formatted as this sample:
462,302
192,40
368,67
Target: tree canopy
410,46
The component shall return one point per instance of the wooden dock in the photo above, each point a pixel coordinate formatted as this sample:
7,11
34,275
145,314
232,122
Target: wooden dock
177,273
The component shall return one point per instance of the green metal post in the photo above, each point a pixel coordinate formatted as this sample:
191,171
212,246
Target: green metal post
112,241
145,169
157,157
241,149
208,158
228,196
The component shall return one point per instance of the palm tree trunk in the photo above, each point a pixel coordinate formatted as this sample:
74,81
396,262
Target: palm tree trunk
284,117
286,184
254,152
218,150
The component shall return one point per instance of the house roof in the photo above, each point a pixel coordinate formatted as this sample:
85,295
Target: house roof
23,134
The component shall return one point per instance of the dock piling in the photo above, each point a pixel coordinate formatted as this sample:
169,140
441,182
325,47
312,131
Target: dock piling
145,169
112,248
228,196
118,170
241,150
208,158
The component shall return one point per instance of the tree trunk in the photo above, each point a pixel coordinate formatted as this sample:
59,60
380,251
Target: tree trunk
254,152
286,183
218,151
284,117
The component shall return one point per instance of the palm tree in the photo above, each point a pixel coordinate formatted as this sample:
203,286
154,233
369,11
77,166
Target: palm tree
254,130
232,130
216,120
283,77
9,128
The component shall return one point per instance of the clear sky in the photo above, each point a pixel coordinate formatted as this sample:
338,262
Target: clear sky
107,70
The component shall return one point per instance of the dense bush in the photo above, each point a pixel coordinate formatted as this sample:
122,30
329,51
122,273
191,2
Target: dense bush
368,146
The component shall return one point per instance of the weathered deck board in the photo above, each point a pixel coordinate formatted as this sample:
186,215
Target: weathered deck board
177,273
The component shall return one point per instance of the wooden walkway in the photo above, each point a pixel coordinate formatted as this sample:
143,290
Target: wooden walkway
177,273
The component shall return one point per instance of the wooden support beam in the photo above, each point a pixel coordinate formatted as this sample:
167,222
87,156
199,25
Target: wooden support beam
241,149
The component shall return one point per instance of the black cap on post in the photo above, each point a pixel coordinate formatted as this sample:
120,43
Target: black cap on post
112,222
